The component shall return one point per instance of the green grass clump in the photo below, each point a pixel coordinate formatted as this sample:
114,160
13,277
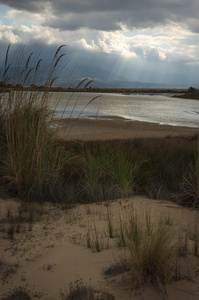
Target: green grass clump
110,222
153,254
105,172
130,230
156,168
125,171
154,260
93,239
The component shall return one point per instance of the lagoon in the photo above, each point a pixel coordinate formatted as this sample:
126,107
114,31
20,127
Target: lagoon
160,109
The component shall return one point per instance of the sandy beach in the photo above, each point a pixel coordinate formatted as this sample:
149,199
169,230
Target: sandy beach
116,128
45,255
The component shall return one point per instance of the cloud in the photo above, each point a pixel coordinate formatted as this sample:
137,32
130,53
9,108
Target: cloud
19,16
169,43
26,5
166,30
112,14
75,21
7,35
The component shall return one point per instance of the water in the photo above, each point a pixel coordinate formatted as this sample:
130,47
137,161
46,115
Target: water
154,109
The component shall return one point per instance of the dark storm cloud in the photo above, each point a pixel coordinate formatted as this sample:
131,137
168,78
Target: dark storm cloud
110,14
28,5
74,21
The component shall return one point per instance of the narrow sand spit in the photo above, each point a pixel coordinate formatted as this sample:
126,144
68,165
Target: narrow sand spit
117,128
50,253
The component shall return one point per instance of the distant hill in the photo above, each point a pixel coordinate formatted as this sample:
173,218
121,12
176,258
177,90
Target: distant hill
120,84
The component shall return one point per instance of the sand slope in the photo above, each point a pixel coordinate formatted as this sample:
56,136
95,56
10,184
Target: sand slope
52,252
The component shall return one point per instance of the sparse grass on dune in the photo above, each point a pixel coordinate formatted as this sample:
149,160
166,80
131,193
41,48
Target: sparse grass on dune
154,259
156,249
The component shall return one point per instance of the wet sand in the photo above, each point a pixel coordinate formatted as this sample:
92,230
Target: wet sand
116,128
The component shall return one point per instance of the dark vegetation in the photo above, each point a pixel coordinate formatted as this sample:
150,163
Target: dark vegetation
190,93
81,291
157,168
18,293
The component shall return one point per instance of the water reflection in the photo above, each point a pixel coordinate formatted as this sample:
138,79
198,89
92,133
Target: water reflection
155,109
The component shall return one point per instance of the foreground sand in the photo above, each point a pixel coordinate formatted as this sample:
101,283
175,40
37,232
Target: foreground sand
52,252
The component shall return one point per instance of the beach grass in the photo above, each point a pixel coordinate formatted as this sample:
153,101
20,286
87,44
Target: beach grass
156,168
154,259
30,156
152,256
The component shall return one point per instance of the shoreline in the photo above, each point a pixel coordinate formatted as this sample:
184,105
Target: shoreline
104,128
174,93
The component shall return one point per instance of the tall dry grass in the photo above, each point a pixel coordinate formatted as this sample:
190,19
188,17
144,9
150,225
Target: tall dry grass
31,158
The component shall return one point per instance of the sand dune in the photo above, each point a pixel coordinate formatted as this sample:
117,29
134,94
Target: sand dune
51,254
47,254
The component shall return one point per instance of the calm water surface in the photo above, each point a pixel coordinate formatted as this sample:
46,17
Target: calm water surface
147,108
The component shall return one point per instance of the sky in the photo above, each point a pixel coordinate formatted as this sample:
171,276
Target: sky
153,41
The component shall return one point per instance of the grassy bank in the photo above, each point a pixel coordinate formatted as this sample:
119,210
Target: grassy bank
37,167
161,168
